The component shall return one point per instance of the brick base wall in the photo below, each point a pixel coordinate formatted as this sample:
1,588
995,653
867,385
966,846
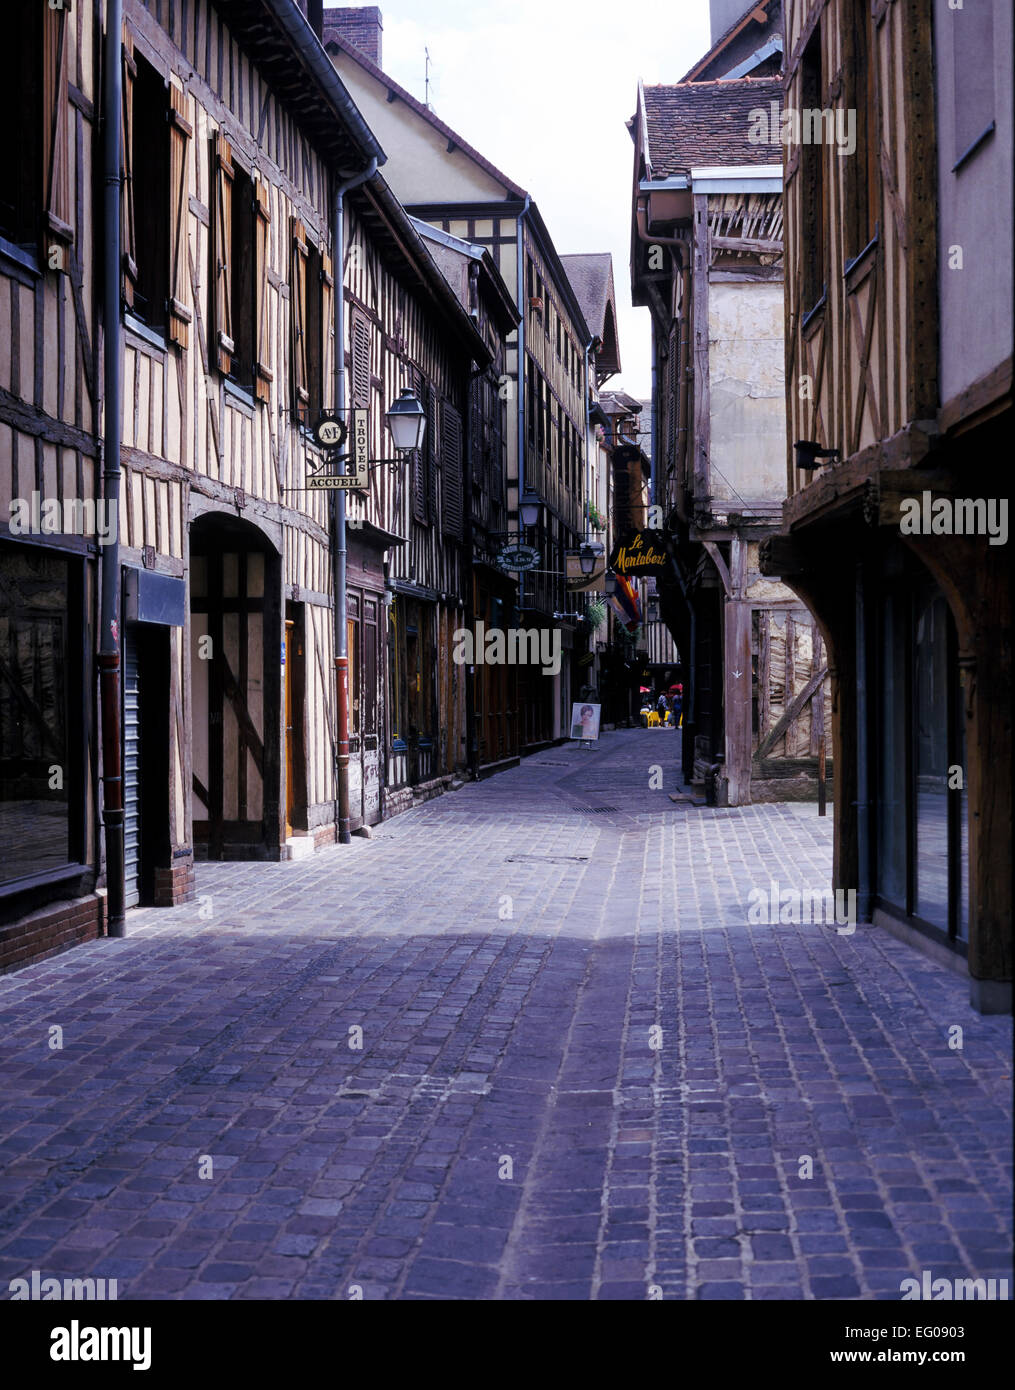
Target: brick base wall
175,885
52,929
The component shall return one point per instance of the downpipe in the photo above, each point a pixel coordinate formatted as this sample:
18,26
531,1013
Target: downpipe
109,622
339,550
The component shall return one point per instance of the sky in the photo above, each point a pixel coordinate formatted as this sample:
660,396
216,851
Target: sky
543,88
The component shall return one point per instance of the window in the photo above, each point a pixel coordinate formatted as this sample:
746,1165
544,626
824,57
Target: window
41,702
312,289
239,251
146,241
35,200
811,180
862,167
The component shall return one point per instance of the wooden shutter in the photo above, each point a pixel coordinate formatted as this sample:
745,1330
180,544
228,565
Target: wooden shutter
452,466
222,226
180,131
359,371
327,332
58,233
128,237
263,375
420,492
301,394
432,445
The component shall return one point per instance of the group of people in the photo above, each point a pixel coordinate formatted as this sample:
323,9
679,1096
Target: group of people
669,706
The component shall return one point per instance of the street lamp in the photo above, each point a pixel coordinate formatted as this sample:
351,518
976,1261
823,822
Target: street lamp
590,555
530,509
407,423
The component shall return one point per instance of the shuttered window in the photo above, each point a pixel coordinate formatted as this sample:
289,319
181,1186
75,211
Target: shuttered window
432,449
327,332
57,233
221,251
180,131
263,375
128,237
452,469
146,200
420,491
359,360
298,300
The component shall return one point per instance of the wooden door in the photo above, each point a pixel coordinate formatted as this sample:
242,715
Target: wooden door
290,736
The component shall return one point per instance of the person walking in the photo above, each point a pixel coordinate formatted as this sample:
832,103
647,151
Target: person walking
663,708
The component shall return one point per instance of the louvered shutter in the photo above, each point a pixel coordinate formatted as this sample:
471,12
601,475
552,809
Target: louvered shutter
359,373
327,332
452,465
263,375
128,238
420,494
673,395
222,225
301,395
180,131
433,456
58,233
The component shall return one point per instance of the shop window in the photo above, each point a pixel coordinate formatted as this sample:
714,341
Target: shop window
41,703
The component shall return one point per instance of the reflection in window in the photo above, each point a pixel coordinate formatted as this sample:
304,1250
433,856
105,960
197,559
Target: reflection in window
34,772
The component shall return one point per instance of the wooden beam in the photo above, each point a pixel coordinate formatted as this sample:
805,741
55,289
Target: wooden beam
790,713
760,245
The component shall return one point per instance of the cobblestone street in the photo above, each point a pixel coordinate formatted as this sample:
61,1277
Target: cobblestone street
583,1074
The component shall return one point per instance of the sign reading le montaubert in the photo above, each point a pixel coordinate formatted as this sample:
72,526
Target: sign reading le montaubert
643,553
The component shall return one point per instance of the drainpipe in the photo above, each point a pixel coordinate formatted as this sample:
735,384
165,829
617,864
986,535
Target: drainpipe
863,904
654,445
109,625
339,552
522,376
469,558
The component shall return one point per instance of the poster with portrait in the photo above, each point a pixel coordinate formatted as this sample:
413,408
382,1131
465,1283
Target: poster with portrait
585,722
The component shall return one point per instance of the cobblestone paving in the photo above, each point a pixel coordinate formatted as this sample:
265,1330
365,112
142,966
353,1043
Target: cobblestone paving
511,1127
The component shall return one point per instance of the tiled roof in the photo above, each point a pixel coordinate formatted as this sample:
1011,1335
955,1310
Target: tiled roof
696,124
591,279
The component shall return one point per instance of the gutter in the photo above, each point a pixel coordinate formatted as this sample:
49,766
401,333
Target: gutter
301,35
109,623
521,375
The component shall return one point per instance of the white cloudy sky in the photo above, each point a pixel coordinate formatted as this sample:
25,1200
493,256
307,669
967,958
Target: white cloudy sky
543,88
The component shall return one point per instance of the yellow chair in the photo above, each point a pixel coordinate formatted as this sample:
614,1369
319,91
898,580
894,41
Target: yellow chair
653,720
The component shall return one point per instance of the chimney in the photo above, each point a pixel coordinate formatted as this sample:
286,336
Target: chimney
361,25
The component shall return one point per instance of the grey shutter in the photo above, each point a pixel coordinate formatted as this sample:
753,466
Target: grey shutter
452,466
131,767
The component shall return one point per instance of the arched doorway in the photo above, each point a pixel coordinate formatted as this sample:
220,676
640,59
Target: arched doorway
236,638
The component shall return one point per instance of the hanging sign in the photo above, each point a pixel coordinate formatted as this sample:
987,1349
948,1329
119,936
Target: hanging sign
577,581
519,557
330,433
361,446
644,553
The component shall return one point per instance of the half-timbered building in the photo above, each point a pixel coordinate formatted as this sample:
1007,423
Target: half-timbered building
898,389
707,262
50,530
237,135
445,181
